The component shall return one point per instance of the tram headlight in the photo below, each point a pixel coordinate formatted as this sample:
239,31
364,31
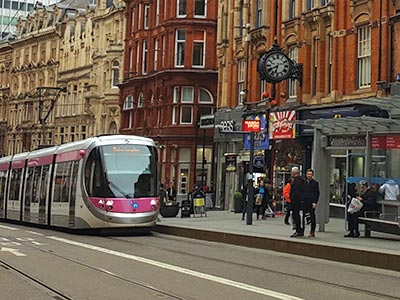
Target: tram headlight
153,204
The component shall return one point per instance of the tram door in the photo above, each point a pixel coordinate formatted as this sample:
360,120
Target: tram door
355,171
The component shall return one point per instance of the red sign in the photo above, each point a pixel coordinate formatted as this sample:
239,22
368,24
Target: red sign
282,125
385,142
251,125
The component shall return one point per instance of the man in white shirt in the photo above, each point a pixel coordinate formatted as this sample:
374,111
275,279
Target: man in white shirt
390,190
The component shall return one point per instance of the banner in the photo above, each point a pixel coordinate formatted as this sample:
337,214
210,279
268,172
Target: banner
282,124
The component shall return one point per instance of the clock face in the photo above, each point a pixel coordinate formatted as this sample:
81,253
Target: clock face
277,66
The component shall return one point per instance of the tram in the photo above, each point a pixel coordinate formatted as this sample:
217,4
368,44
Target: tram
101,182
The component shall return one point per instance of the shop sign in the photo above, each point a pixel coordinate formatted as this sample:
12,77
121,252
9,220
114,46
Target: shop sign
347,141
251,125
230,162
282,124
261,138
385,142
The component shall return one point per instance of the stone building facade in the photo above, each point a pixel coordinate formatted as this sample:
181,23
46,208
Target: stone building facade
61,75
169,81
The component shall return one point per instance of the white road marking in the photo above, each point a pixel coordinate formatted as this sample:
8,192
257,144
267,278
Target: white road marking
34,232
13,251
217,279
31,240
10,244
8,227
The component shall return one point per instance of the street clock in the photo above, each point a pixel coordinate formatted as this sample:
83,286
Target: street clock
275,66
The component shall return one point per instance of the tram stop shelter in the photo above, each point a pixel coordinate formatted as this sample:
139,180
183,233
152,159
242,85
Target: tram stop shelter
347,150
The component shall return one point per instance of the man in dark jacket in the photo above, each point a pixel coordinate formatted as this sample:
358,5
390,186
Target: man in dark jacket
368,198
311,198
297,201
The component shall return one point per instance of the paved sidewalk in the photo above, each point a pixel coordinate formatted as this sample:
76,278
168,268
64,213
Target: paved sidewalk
381,250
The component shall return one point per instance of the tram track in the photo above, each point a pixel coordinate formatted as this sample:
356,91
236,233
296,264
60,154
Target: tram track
56,294
312,280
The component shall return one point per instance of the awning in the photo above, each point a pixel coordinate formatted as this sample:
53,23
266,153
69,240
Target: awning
354,125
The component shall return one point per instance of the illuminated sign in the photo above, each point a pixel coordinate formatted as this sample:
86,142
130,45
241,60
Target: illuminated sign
251,125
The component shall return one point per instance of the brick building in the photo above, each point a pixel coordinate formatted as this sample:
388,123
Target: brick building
169,81
347,51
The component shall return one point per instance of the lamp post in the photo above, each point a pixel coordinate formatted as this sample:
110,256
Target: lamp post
250,187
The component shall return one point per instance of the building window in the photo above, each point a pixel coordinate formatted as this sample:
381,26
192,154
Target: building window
156,54
241,77
140,100
206,102
128,103
205,97
157,12
115,74
144,60
315,68
364,56
180,48
186,114
181,5
292,9
311,4
198,48
292,88
146,16
175,101
200,8
109,3
259,13
330,53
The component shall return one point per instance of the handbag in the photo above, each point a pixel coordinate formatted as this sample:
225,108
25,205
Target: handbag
354,206
258,199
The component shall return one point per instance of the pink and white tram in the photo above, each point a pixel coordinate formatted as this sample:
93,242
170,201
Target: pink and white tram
101,182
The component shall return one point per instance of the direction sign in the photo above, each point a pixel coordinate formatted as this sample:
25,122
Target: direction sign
207,121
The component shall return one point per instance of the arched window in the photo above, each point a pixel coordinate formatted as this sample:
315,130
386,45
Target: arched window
206,102
128,103
115,73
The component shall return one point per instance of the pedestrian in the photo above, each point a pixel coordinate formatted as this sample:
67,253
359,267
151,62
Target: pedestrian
267,203
260,199
286,197
390,190
311,197
171,192
297,201
368,198
163,195
244,201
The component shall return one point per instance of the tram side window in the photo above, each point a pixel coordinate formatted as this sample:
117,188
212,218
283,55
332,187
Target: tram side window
63,182
15,184
43,184
29,185
74,180
3,175
94,176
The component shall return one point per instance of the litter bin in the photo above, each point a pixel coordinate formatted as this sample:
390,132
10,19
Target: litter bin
186,208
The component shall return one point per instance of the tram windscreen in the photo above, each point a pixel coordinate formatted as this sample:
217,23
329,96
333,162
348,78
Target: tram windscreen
129,172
